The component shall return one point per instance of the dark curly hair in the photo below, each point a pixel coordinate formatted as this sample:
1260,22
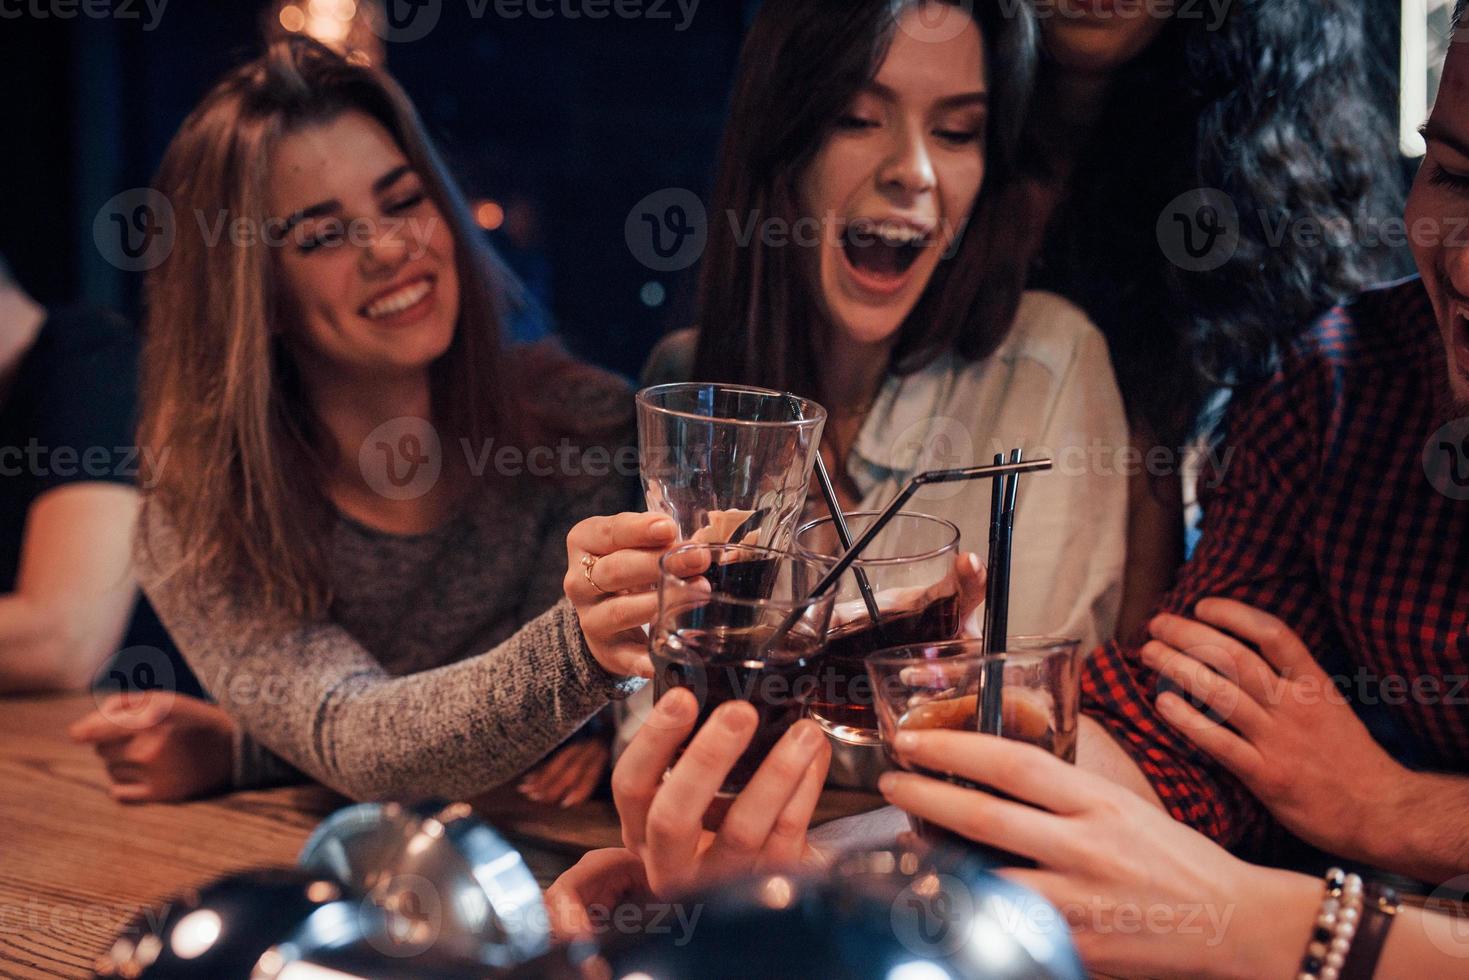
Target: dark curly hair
1274,108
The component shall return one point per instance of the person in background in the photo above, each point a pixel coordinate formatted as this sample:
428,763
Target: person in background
68,502
880,148
1275,110
370,503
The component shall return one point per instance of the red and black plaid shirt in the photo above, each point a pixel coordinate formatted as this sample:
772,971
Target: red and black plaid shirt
1325,515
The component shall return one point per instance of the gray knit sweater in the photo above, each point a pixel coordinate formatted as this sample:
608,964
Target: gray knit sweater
423,681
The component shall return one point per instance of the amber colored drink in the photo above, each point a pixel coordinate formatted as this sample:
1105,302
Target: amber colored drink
843,700
1025,717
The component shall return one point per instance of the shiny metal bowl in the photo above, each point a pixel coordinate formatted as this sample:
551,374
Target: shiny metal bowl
439,873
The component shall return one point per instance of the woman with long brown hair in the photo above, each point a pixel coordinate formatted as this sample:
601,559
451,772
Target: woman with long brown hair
880,136
859,254
366,501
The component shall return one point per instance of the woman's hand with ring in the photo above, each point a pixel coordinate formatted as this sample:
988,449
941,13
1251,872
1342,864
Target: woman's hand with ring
612,581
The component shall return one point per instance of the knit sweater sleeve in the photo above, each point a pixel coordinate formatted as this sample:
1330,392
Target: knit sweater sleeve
316,698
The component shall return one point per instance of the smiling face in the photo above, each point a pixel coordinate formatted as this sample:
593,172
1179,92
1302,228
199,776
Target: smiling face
366,266
1438,216
896,179
1100,36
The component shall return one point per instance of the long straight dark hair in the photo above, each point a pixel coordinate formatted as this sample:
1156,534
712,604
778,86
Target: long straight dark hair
801,65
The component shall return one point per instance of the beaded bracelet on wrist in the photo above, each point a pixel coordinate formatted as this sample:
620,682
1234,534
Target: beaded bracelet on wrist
1335,927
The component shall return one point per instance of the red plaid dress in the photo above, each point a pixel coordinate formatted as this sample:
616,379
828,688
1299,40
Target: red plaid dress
1323,513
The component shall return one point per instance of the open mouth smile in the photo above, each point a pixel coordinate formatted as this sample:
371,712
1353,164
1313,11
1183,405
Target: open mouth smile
401,302
880,255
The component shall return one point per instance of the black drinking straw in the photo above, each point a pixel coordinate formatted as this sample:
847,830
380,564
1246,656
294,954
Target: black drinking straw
844,535
997,596
1007,528
888,513
997,506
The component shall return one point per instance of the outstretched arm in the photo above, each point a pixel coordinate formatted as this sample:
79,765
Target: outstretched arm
74,590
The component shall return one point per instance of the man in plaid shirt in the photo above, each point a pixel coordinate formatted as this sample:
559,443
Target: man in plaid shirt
1337,536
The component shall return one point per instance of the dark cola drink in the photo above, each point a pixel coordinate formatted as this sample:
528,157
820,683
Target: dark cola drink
752,578
843,700
726,663
1024,718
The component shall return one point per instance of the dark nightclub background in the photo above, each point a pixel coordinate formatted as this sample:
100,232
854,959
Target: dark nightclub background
555,125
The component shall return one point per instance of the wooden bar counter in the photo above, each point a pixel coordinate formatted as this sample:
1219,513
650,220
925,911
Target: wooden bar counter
76,867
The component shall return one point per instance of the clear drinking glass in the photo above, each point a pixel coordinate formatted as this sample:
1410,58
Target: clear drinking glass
728,463
943,685
910,568
722,644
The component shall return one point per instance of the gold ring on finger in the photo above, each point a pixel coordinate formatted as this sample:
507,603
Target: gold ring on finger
589,562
